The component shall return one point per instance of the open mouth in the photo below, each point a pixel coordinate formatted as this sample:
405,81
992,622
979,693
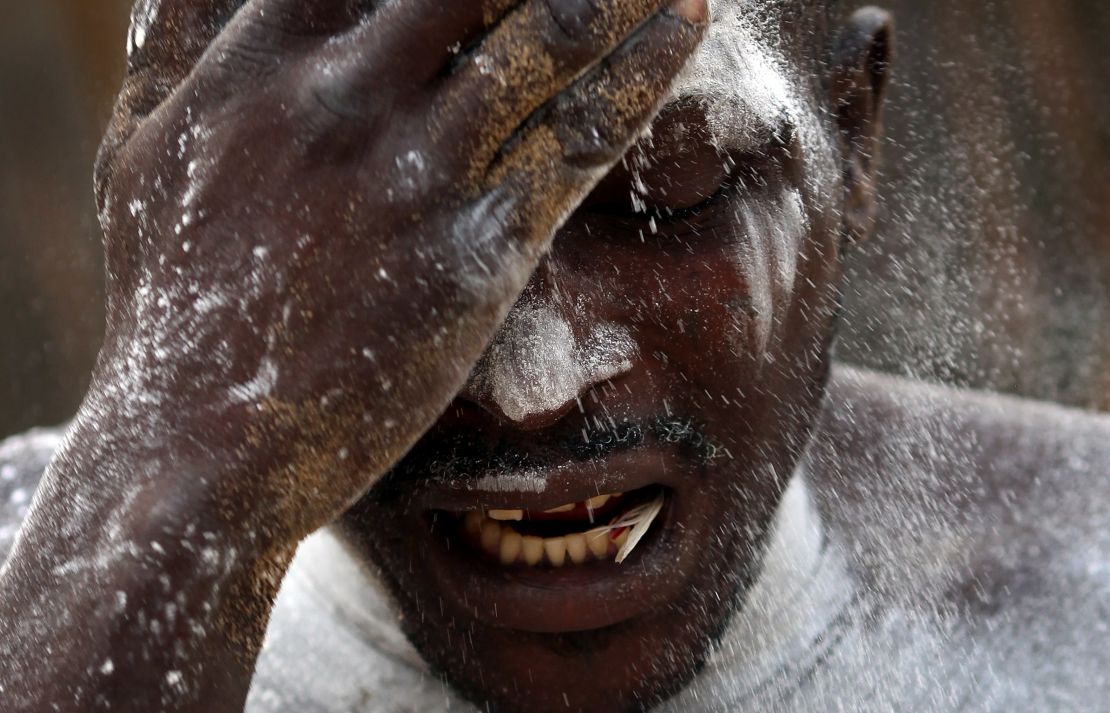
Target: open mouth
575,547
603,528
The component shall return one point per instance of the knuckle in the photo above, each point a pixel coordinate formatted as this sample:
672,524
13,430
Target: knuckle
252,60
337,94
316,111
573,19
588,139
329,120
332,106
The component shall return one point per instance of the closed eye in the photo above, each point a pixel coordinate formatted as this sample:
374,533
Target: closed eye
650,216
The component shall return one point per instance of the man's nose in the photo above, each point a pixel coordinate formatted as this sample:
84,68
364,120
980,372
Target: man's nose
536,369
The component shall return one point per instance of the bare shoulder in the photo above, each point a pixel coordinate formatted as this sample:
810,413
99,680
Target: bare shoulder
989,509
988,417
23,459
1020,454
1009,472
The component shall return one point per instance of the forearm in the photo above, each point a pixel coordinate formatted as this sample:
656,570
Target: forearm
129,600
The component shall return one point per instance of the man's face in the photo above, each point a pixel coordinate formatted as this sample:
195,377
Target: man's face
671,348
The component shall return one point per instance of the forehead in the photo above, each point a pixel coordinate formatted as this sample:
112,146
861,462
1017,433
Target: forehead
742,77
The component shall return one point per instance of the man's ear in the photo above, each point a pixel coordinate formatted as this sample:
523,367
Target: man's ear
860,74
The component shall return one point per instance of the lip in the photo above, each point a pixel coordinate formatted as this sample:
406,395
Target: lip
571,598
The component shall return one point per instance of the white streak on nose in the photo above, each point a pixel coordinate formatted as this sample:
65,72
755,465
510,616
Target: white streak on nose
535,365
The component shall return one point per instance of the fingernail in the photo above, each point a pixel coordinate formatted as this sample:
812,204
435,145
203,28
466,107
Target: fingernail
696,11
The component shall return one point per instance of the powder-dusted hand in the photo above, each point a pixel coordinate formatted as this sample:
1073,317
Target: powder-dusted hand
311,241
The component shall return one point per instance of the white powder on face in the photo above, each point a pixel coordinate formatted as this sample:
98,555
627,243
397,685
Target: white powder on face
752,92
536,366
742,81
768,256
513,483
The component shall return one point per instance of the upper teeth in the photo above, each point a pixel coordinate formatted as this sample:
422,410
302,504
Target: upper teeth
598,502
595,503
614,541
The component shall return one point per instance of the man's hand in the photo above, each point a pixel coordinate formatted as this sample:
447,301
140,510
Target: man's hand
316,215
313,238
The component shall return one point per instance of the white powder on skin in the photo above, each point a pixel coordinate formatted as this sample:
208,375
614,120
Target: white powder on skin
258,388
513,483
768,256
536,366
741,79
142,18
38,440
751,93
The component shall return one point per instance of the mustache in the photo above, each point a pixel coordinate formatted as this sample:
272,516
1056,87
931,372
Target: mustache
460,455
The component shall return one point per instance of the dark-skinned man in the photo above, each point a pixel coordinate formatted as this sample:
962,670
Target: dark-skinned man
557,388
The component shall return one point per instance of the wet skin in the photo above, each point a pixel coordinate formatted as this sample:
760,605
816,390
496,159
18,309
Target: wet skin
316,221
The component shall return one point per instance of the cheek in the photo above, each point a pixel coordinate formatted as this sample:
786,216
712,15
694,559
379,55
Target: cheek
709,312
693,320
713,311
730,294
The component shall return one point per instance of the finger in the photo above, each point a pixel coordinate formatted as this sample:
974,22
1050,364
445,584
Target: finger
163,43
401,44
282,19
168,37
570,144
535,53
419,38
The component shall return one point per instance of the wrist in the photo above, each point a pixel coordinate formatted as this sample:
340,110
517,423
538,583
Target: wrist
145,468
135,578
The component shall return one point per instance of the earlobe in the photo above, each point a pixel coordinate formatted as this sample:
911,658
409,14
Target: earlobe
860,75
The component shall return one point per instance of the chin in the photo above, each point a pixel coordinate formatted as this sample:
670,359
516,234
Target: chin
630,666
508,580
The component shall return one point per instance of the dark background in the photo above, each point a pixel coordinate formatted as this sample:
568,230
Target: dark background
990,268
